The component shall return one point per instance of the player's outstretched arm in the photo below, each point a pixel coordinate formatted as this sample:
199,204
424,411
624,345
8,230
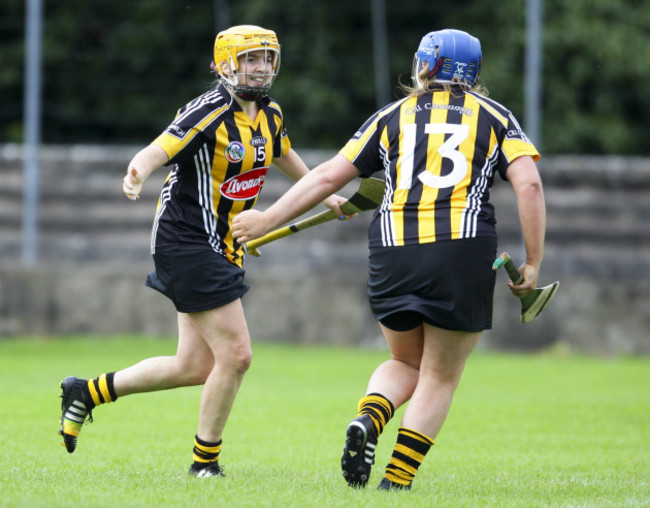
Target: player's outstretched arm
145,162
295,168
324,180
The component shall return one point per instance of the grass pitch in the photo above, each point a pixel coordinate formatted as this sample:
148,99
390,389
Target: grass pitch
538,430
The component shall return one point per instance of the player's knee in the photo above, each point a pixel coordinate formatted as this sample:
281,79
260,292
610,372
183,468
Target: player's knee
243,361
236,361
448,375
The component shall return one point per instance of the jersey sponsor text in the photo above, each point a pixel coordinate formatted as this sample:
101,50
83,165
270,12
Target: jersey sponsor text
245,185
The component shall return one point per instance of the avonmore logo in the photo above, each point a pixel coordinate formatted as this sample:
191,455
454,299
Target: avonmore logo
245,185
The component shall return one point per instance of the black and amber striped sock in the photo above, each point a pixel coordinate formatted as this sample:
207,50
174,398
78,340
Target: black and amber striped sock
205,452
409,452
100,390
379,408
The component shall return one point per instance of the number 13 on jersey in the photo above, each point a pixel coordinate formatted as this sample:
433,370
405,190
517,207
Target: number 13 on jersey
448,150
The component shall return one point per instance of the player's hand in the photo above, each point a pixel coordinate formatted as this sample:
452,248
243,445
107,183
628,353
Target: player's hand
132,184
334,202
248,225
530,274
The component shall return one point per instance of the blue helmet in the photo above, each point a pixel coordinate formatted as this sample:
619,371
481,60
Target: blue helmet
451,55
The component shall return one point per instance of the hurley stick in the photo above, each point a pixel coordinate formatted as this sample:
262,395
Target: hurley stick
534,302
368,196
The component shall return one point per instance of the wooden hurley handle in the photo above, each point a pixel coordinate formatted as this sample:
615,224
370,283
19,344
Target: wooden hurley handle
327,215
368,196
505,261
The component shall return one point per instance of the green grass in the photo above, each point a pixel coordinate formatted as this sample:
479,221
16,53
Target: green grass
539,430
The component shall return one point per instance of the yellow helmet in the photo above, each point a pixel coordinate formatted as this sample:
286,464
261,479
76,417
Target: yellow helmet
237,40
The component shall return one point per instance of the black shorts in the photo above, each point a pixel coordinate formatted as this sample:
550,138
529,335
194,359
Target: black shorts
196,280
448,284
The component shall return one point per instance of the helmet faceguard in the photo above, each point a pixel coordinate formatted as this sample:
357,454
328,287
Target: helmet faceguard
239,40
451,56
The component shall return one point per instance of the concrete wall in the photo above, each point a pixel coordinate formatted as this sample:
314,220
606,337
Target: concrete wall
94,257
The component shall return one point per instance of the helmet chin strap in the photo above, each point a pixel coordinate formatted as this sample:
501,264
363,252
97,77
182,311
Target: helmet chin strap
249,93
246,92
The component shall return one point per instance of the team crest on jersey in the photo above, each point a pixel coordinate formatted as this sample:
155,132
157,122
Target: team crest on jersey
234,152
244,185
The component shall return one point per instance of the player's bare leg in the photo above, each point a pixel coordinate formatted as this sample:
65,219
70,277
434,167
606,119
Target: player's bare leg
203,336
391,384
190,366
443,360
225,332
397,378
214,350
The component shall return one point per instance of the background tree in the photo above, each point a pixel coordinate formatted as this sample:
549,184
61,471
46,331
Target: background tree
116,70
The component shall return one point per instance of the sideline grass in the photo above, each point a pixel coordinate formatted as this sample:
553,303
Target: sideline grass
544,430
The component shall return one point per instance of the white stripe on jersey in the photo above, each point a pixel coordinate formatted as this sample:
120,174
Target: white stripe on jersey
469,217
204,182
198,103
165,196
387,222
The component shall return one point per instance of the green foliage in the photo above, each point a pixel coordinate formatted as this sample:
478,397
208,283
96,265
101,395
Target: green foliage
11,70
115,71
545,430
596,95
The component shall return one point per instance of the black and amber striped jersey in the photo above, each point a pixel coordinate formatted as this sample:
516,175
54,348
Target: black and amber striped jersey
219,158
440,152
